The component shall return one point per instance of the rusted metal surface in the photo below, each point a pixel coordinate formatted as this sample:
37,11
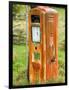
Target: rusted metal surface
47,65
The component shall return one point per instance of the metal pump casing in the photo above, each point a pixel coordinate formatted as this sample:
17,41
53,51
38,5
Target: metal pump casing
43,46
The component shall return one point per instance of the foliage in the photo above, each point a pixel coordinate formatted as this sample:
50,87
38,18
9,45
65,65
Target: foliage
17,9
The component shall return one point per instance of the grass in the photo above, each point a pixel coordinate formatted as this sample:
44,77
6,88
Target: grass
20,59
20,69
61,45
19,65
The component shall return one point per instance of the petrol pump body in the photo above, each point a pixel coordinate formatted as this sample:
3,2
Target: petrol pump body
43,47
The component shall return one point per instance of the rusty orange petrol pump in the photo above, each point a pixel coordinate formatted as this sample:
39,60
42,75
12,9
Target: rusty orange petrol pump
43,47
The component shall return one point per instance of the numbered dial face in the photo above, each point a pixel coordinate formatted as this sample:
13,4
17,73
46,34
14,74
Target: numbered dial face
36,34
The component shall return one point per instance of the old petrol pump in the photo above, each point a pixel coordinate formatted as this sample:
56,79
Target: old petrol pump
43,48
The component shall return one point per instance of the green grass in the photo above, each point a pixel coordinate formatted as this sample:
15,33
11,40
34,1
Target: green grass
19,65
61,45
20,58
20,69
